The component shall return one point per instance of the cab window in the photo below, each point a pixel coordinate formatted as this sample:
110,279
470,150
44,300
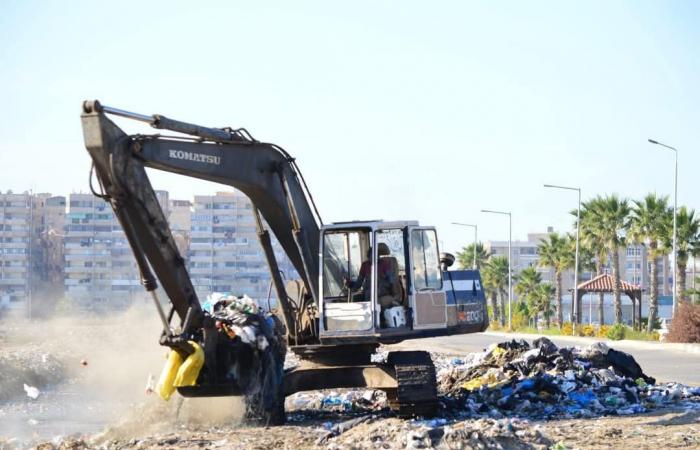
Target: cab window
426,262
342,258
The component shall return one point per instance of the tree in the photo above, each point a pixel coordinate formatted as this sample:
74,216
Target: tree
540,300
650,224
527,282
687,242
608,221
555,252
592,241
587,262
465,258
495,277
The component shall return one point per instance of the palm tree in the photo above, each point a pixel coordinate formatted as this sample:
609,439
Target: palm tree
496,280
591,239
539,302
556,253
490,281
465,258
528,281
650,224
609,221
587,262
687,242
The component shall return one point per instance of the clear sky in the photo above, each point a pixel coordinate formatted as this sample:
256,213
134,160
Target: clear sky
394,110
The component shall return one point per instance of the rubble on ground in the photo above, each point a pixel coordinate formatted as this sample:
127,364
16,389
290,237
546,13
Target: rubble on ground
513,395
542,381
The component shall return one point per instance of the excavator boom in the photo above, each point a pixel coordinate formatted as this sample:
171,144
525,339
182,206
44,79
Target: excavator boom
264,172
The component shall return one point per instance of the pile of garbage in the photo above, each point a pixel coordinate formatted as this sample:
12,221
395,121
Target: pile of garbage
260,375
542,381
240,317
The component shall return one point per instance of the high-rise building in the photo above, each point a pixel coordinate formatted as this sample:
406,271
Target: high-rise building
225,255
88,251
100,269
76,248
49,216
16,221
180,220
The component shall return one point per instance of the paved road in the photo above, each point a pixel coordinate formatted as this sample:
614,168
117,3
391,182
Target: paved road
660,362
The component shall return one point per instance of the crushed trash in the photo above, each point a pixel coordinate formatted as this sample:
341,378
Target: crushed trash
542,381
348,400
241,319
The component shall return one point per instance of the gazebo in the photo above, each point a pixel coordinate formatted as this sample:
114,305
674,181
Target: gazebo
604,283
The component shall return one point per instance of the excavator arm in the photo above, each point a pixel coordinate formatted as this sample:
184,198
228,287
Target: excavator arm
262,171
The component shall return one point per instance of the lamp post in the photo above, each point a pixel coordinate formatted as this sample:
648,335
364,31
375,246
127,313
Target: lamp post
510,272
675,232
473,226
574,304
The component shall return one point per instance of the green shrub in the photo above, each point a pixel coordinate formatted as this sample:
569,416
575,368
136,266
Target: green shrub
655,326
616,332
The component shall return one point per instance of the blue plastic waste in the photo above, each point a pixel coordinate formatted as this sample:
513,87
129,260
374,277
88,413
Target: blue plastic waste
582,398
527,383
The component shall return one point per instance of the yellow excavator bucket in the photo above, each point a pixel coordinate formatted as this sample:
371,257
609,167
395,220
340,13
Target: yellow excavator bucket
180,372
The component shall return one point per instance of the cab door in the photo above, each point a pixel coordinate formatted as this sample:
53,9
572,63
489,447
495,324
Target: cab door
427,296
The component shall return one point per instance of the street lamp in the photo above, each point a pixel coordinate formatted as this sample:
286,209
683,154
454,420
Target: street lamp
675,209
510,275
574,304
473,226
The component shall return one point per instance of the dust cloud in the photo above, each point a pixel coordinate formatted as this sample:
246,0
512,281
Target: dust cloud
92,371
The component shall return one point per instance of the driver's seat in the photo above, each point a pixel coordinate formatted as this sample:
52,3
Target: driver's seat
393,293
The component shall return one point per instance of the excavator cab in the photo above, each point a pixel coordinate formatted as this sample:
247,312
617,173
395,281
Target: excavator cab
380,279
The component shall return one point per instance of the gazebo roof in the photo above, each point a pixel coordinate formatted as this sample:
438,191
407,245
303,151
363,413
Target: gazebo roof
604,283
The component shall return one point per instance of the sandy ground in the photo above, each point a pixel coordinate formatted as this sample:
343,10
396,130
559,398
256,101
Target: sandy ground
92,374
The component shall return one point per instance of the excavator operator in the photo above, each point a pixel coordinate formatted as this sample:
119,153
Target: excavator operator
388,283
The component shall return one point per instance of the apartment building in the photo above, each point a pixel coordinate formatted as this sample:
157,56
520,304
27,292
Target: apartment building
16,218
49,219
180,220
224,252
75,248
100,270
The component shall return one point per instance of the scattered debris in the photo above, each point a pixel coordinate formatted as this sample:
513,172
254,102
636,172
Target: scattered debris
31,391
150,384
342,427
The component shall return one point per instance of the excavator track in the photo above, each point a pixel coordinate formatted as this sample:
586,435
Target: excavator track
416,394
